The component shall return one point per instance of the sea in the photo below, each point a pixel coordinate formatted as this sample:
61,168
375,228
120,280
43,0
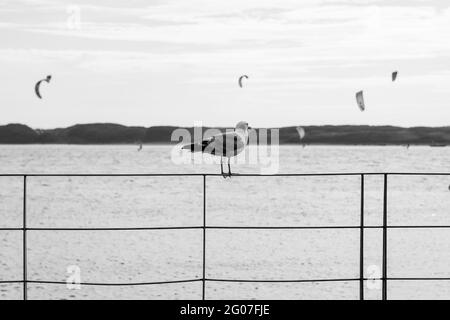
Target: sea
240,262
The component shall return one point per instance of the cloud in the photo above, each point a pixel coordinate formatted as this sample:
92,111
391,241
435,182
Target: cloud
292,50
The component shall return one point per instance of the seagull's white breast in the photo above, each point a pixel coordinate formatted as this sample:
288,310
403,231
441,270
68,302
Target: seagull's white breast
226,145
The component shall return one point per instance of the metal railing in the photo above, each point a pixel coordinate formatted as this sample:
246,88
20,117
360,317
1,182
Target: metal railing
362,227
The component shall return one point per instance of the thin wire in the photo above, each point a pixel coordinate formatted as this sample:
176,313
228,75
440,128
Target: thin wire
220,175
281,227
230,227
10,281
227,280
418,279
113,229
285,281
116,284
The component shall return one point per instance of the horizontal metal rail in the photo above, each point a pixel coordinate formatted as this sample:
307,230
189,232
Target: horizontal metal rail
284,281
204,279
220,175
229,228
124,284
114,229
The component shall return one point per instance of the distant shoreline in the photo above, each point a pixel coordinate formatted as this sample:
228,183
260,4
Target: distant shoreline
110,134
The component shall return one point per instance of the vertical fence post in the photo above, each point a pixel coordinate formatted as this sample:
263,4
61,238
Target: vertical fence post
361,243
204,237
385,224
24,243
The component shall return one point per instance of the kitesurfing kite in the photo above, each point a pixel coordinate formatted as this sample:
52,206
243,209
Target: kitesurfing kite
360,100
240,79
301,132
394,75
38,85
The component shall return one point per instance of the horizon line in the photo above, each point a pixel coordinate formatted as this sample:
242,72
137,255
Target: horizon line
209,126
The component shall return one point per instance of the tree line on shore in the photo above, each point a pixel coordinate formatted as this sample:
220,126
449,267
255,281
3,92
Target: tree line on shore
109,133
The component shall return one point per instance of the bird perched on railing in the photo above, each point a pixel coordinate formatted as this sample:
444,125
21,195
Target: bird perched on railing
224,145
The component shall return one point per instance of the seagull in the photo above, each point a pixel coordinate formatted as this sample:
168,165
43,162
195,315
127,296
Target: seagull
224,145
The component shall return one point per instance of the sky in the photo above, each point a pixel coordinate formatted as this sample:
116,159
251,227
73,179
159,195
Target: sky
175,62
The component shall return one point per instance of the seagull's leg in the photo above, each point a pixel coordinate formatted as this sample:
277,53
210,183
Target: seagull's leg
229,168
221,167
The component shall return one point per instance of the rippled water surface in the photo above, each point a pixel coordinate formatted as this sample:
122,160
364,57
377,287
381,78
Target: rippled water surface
165,255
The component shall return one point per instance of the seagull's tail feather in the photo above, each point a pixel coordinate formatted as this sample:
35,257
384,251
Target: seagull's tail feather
193,147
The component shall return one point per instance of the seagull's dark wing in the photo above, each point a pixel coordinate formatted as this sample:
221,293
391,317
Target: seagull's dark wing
227,144
197,147
207,142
